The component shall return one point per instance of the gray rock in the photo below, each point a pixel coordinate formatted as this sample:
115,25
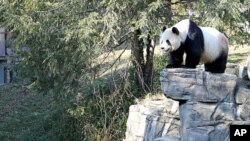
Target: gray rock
206,121
216,132
232,68
199,111
232,65
242,95
167,139
198,85
243,72
209,104
240,123
152,119
244,112
248,66
243,101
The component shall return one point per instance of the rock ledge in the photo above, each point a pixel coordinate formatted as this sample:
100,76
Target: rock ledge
208,105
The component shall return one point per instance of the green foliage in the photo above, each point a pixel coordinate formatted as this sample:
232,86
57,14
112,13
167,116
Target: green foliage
25,114
62,39
225,15
160,62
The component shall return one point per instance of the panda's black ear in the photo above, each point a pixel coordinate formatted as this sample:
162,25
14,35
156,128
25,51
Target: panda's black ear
164,28
175,30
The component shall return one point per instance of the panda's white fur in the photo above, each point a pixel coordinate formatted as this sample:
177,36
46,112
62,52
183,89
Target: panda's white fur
214,41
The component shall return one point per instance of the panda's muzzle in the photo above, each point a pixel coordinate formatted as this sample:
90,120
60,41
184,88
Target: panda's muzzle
164,49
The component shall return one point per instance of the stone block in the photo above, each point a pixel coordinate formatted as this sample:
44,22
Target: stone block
199,113
244,112
232,68
149,120
209,104
197,85
216,132
248,66
243,72
206,121
243,101
242,95
167,139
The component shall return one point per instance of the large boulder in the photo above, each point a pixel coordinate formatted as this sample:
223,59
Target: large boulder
243,72
248,66
243,102
197,85
153,119
207,102
208,105
232,68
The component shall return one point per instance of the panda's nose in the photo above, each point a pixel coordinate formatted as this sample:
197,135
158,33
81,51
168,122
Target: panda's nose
162,48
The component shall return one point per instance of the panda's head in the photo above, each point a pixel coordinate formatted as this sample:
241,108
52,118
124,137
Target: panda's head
170,39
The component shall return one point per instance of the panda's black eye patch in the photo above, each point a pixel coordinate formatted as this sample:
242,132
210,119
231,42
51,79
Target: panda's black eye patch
168,42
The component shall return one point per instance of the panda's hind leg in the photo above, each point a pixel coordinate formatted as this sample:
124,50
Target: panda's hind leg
218,66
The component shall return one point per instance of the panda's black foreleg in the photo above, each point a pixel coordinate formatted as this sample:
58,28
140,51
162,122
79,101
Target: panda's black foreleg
192,60
175,59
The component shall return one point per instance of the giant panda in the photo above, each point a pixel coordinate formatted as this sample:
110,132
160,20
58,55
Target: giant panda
201,44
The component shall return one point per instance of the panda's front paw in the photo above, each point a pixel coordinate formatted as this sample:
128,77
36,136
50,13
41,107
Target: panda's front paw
175,66
183,66
170,66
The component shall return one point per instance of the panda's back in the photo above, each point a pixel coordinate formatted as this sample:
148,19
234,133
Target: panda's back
215,43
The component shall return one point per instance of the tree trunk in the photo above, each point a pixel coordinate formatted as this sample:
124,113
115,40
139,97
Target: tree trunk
148,69
138,59
144,69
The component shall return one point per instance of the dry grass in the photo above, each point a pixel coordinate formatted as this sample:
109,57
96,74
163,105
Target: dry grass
238,54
